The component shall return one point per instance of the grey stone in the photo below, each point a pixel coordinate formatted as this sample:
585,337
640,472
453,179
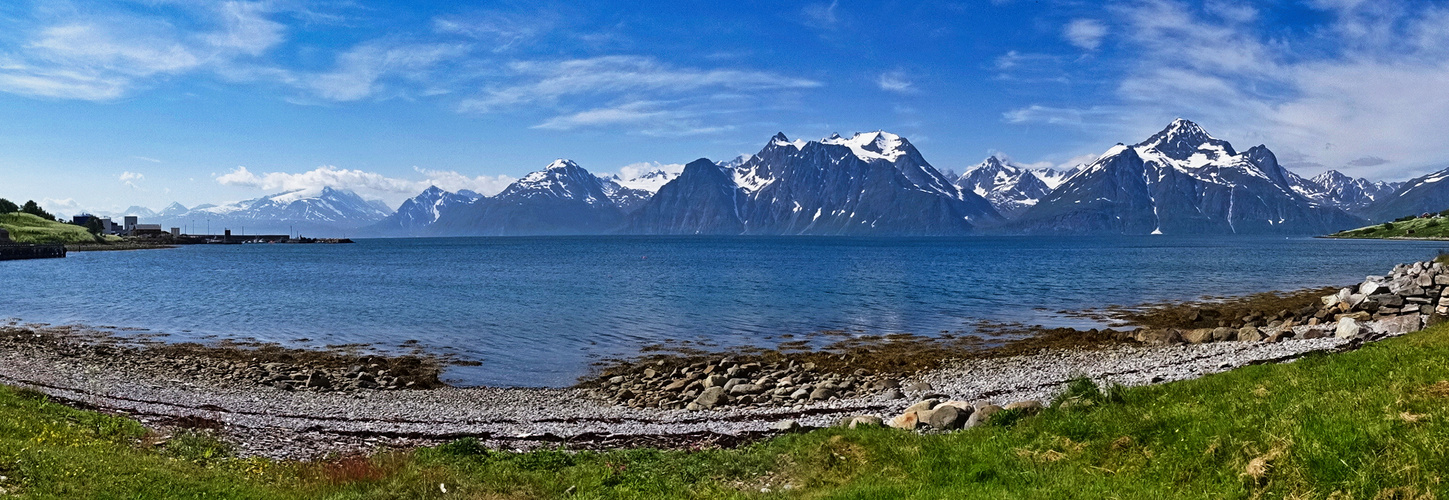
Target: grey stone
822,393
787,426
893,394
1347,328
866,421
919,387
981,414
746,389
1198,335
711,397
943,418
1222,333
923,405
1250,334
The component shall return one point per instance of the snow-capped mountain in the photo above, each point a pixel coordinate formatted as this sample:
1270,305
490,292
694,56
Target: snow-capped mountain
632,191
1416,196
563,198
416,214
325,213
1336,189
173,210
1009,188
870,183
1182,181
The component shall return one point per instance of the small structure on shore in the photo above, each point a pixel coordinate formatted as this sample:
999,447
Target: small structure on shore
9,250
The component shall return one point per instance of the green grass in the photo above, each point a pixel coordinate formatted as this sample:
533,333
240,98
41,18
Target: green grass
1372,423
1433,227
26,228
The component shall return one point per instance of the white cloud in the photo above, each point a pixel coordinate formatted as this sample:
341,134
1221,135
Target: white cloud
628,113
1368,83
549,81
1085,33
131,178
896,81
634,170
391,189
360,71
101,54
821,15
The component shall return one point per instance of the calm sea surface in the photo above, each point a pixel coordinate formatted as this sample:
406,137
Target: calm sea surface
537,311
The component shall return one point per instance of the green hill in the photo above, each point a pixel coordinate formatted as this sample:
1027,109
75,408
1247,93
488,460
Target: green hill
1430,227
26,228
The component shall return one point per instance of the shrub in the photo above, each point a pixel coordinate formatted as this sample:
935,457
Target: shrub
466,447
8,207
1388,226
1405,218
1082,391
33,208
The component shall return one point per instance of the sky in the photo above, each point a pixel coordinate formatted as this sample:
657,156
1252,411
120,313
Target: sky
105,105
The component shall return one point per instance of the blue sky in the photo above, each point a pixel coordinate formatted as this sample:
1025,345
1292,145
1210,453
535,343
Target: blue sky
109,104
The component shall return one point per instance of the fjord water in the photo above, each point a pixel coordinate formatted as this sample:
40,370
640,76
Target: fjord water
538,311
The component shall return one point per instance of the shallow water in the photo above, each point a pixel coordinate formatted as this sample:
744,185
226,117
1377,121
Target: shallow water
537,311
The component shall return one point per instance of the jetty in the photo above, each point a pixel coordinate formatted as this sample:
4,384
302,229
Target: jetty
10,250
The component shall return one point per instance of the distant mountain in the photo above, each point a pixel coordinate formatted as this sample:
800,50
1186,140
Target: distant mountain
562,199
172,210
1416,196
631,192
873,183
1009,188
1182,181
1336,189
138,211
417,214
328,213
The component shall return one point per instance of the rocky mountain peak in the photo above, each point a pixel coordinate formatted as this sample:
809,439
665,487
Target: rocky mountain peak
1182,139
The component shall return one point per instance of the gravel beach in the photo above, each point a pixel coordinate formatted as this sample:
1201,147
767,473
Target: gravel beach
295,424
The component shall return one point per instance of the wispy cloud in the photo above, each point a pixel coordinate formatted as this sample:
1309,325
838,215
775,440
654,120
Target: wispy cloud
372,183
1369,83
361,71
549,81
1085,33
131,178
821,15
896,81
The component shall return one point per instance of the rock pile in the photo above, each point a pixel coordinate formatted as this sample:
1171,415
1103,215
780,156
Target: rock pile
1405,300
725,381
287,369
936,415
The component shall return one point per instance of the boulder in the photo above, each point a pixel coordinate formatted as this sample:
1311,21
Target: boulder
943,418
1387,300
981,414
746,389
822,393
1198,335
1407,323
1222,334
1372,288
1347,328
865,421
1441,280
893,394
715,381
711,397
787,426
923,405
908,421
800,394
919,387
1027,407
1250,334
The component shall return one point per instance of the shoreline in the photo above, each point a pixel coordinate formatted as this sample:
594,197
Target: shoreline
284,403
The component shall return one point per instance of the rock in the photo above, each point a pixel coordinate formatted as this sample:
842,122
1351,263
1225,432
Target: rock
865,421
1372,288
711,397
908,421
1425,280
1407,323
715,381
943,418
822,393
1222,334
981,414
1198,335
319,380
787,426
734,382
746,389
965,407
893,394
1441,280
1347,328
679,384
919,387
1250,334
1027,407
1387,299
800,394
923,405
1360,316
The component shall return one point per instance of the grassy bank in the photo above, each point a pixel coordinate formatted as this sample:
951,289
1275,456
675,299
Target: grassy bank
1372,423
1425,228
26,228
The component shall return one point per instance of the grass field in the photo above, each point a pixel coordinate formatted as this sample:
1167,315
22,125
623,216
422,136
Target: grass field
26,228
1432,227
1372,424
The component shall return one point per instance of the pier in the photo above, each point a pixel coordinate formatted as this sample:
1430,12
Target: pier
12,251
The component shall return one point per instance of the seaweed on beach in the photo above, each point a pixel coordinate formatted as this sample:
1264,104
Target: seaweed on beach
1212,312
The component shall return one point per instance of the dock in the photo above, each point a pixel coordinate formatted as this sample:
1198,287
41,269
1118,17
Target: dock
14,251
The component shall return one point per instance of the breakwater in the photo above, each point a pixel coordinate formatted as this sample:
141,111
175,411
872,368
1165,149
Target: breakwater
21,252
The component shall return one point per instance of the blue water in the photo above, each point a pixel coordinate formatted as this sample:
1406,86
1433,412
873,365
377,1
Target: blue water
537,311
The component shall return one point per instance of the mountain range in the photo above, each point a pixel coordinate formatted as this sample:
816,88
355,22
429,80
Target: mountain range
1180,180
